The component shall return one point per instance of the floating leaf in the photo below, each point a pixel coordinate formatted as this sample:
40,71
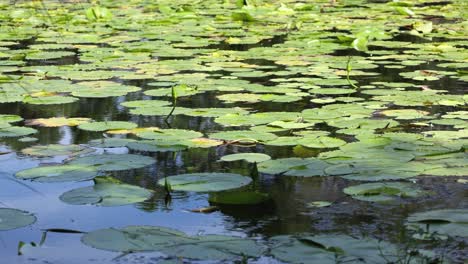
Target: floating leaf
102,89
58,121
107,191
14,218
114,162
319,204
107,125
52,150
173,243
206,182
330,249
10,118
168,135
244,135
59,173
249,157
451,222
321,142
382,191
110,142
15,131
50,100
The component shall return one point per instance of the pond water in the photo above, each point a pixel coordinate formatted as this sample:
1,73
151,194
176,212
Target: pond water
348,119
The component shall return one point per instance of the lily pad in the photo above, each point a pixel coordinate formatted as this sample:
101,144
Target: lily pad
53,150
107,125
205,182
451,222
50,100
383,191
173,243
59,173
107,191
58,121
16,131
14,218
331,249
249,157
10,118
114,162
244,136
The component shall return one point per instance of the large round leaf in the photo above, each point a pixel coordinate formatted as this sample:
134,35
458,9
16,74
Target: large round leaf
52,150
58,121
107,191
205,182
452,222
16,131
58,173
383,191
50,100
332,249
168,135
10,118
14,218
107,125
244,135
249,157
114,162
173,243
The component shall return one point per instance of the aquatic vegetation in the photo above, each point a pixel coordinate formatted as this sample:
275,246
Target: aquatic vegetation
313,128
14,218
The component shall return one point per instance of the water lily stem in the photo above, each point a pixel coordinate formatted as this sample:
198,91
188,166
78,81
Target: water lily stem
348,71
174,104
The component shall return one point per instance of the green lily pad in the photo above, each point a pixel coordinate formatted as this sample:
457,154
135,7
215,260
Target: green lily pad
107,125
173,243
107,191
110,142
319,204
321,142
330,249
451,222
102,89
14,218
383,191
244,136
53,150
280,165
205,182
314,167
59,173
405,114
249,157
16,131
114,162
169,135
50,100
10,118
156,146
